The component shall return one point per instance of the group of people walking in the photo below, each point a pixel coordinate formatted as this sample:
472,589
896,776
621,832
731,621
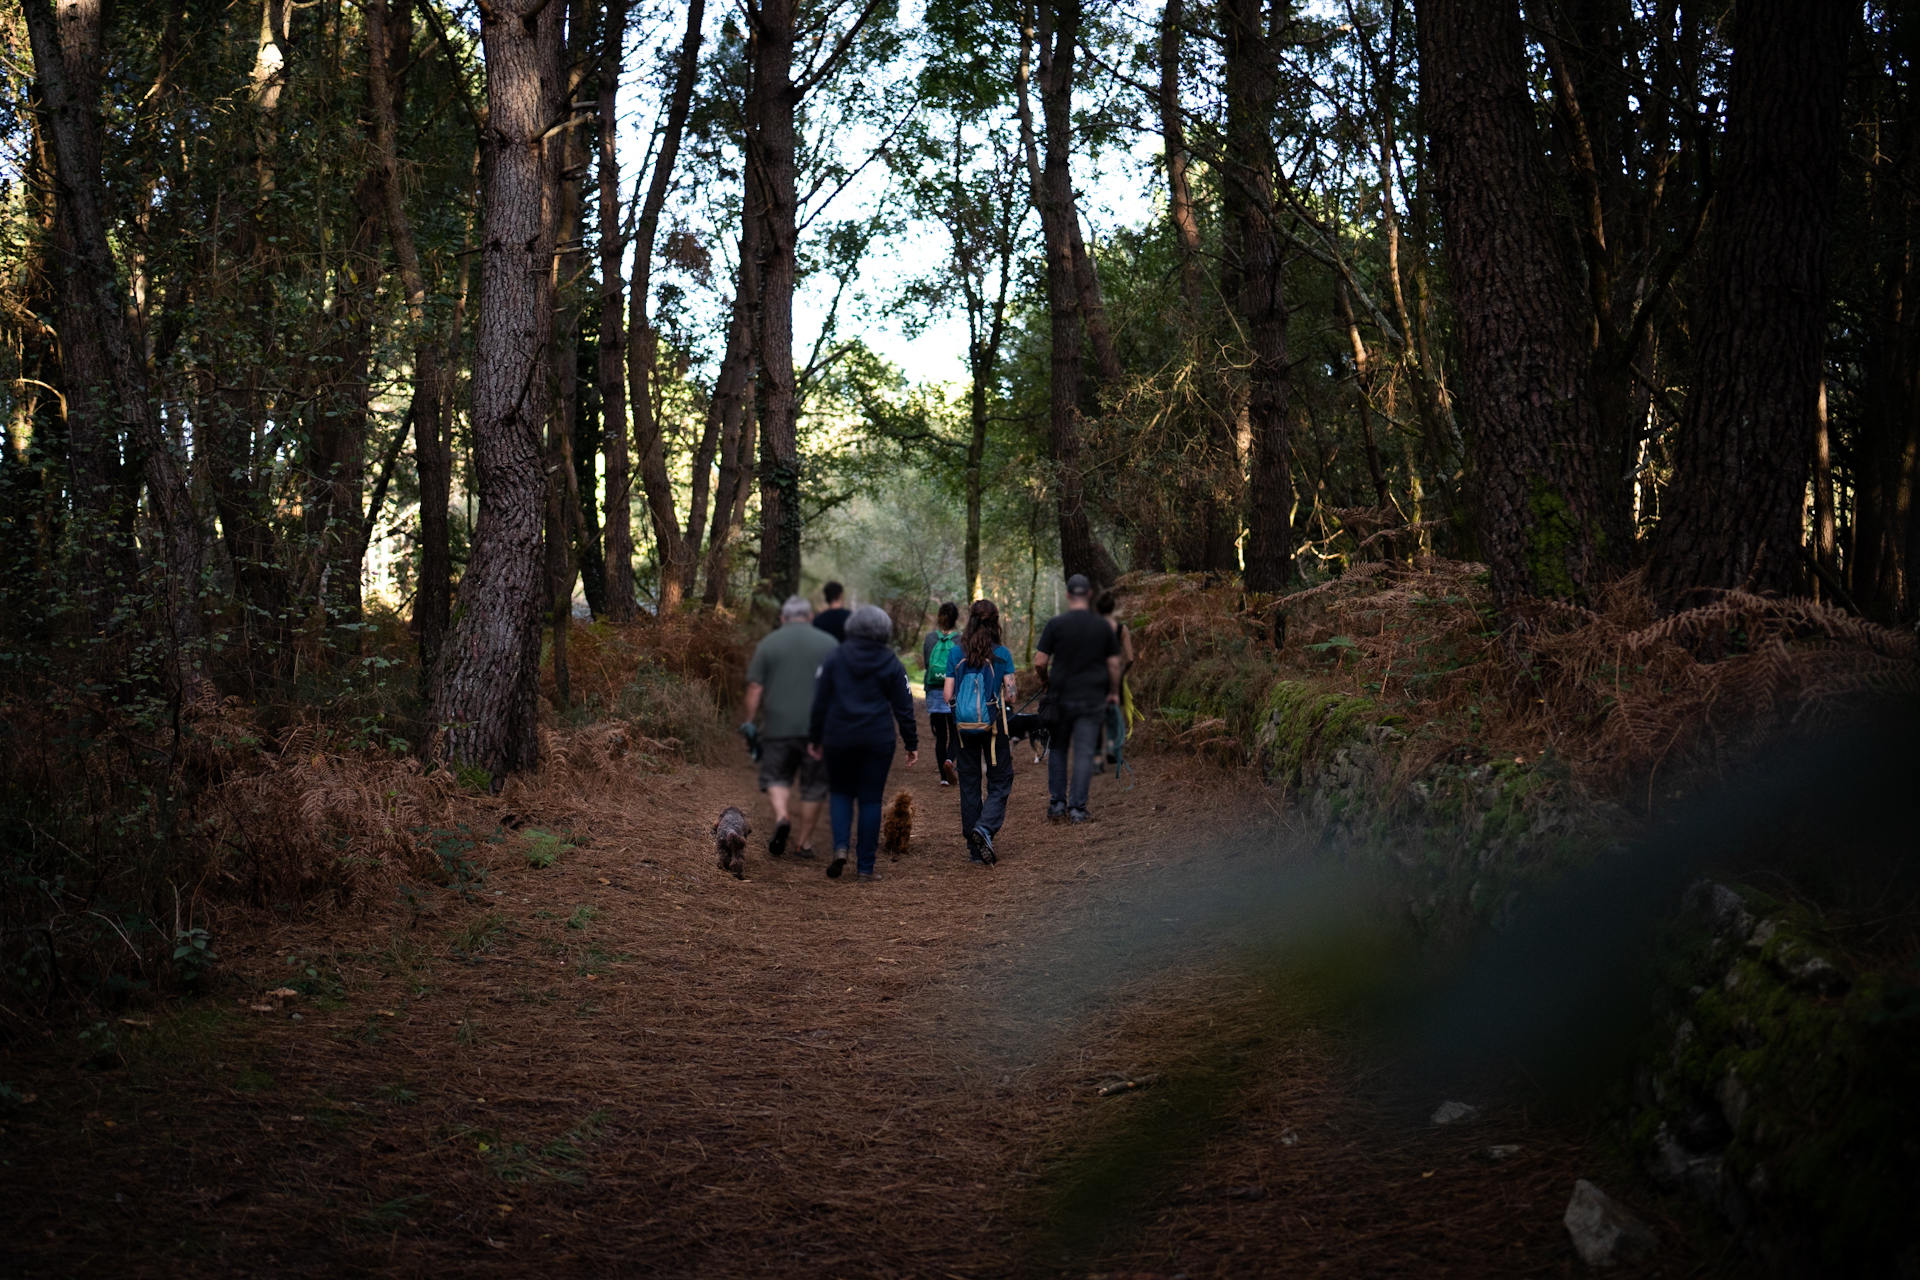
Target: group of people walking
831,694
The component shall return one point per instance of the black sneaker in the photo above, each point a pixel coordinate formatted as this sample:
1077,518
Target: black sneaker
805,852
973,848
985,845
866,877
777,845
1056,811
838,864
1078,816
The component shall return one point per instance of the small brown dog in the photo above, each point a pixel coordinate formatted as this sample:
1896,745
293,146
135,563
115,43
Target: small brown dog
896,826
730,841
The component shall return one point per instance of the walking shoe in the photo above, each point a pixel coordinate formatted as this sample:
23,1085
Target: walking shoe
777,843
1078,816
949,774
974,848
838,864
1056,810
804,851
865,877
985,838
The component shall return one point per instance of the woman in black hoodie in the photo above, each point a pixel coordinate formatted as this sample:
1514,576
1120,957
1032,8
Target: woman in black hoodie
860,695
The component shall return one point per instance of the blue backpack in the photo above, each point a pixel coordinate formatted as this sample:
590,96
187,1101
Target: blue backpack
976,699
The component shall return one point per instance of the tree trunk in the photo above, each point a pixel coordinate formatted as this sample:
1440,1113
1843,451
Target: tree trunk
433,463
586,446
490,685
100,328
773,101
1080,550
1886,542
733,404
674,555
337,437
1522,334
102,497
1173,139
1252,73
1735,509
617,537
1363,384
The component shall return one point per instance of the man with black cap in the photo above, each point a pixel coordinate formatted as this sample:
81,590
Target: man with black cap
1078,658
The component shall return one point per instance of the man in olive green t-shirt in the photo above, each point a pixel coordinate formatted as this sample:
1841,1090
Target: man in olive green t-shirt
780,684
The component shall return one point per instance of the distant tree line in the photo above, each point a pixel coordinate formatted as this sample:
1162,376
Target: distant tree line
1576,288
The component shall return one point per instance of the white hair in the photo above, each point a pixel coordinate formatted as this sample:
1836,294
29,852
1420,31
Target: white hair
870,622
796,607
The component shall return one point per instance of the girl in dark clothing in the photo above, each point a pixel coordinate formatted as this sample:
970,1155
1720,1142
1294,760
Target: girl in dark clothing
860,695
985,755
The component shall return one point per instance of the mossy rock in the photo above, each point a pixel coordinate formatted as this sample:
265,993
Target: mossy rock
1303,724
1805,1071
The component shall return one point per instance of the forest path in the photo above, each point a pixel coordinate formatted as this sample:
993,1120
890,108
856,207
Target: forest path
631,1063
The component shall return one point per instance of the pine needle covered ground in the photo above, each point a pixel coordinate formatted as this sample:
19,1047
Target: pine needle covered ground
547,1034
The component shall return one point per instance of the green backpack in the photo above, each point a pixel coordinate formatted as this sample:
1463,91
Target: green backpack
941,659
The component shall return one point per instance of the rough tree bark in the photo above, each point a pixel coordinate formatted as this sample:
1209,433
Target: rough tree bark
98,327
772,198
1522,337
490,684
563,532
1734,513
676,559
1252,74
101,493
622,605
1057,33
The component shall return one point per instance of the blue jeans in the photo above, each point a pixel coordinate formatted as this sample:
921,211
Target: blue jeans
857,773
1081,732
842,806
973,759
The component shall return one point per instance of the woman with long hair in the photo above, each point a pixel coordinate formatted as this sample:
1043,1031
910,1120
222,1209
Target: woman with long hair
979,688
858,698
937,653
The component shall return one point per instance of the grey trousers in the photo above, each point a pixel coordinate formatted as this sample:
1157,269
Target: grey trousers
1081,732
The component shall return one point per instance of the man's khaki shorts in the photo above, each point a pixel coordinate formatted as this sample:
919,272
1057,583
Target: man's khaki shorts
784,762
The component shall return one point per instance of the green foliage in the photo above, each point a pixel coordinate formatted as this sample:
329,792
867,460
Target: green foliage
193,954
544,849
582,916
453,849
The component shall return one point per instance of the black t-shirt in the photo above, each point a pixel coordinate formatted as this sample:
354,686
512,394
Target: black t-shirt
834,623
1077,644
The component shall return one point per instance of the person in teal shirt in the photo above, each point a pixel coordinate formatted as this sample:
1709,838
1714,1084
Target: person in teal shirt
987,753
937,652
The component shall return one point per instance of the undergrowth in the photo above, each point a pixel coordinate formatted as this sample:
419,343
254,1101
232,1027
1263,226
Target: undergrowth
131,828
1617,691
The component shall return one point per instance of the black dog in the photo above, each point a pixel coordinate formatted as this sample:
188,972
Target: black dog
1032,726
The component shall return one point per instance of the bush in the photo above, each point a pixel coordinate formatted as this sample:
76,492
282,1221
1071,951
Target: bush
664,705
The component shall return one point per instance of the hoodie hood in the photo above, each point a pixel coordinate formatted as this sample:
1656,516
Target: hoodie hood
865,657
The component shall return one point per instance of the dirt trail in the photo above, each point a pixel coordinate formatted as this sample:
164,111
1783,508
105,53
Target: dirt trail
630,1063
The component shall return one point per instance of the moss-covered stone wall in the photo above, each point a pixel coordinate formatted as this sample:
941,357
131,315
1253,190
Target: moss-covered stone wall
1782,1091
